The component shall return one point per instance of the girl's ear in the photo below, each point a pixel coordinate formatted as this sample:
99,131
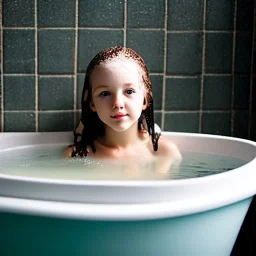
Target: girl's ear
92,106
145,103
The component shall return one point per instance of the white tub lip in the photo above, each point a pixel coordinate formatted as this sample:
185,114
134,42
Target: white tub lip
136,211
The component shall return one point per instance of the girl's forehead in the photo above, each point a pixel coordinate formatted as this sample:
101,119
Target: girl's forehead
120,63
116,69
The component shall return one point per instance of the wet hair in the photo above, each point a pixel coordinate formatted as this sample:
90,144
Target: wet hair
90,126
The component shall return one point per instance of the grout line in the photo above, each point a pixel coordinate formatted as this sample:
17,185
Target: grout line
197,111
75,63
42,75
36,70
10,74
2,77
120,28
125,22
99,28
200,124
39,111
18,28
251,77
233,72
181,76
56,76
200,31
219,74
164,64
146,29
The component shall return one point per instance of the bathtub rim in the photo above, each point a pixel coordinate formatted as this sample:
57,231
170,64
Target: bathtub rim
129,211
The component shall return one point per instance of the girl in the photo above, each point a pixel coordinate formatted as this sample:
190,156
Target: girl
117,112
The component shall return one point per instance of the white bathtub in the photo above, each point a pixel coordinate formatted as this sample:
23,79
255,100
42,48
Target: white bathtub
199,216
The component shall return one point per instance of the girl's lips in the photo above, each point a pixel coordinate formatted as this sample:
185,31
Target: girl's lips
118,116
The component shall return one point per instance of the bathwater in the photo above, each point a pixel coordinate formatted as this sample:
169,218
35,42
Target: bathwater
47,162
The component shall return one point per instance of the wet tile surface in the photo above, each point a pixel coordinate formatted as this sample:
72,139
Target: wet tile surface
19,51
55,51
19,93
145,14
49,13
97,13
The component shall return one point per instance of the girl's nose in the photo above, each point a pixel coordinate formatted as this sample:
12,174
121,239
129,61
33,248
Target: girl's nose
118,101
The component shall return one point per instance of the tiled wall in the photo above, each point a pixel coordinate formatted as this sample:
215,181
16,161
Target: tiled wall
199,54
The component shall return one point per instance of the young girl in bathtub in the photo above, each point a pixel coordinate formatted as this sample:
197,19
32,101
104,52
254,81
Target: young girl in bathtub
117,119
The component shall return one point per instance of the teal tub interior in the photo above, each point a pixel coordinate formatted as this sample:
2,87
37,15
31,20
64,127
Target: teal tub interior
198,216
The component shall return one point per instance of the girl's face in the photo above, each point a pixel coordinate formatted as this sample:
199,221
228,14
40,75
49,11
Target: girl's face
118,93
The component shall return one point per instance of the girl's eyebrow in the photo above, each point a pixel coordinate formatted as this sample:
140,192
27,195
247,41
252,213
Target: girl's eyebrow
100,87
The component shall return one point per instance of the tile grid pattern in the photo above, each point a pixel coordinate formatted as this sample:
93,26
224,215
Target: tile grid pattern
199,76
203,70
252,86
1,69
233,71
36,68
75,61
164,63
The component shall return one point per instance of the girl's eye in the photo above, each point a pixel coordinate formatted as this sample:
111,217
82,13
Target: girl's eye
104,93
130,91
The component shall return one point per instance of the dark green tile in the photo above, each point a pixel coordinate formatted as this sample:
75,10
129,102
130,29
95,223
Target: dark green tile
145,14
181,122
18,13
90,42
19,51
158,118
80,86
55,51
244,19
19,122
218,53
220,15
182,93
157,89
184,53
241,92
150,45
57,13
241,121
217,92
243,52
55,93
19,93
98,13
217,123
59,121
185,15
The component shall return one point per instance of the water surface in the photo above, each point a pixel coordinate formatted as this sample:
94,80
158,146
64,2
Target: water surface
47,162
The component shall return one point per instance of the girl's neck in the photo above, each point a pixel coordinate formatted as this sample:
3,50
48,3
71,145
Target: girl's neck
125,139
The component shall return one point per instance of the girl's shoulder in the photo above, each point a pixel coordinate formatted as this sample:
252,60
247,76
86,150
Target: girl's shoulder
167,148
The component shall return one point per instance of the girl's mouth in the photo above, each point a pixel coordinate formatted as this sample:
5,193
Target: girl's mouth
118,116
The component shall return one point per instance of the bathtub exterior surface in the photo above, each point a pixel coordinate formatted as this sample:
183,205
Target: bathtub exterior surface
207,233
199,216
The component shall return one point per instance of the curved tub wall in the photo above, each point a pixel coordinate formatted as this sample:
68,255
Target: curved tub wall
200,216
185,196
207,233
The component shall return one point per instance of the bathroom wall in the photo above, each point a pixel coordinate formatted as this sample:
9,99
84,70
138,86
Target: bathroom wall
199,54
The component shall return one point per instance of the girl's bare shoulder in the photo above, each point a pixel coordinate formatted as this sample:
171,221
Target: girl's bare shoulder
167,148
